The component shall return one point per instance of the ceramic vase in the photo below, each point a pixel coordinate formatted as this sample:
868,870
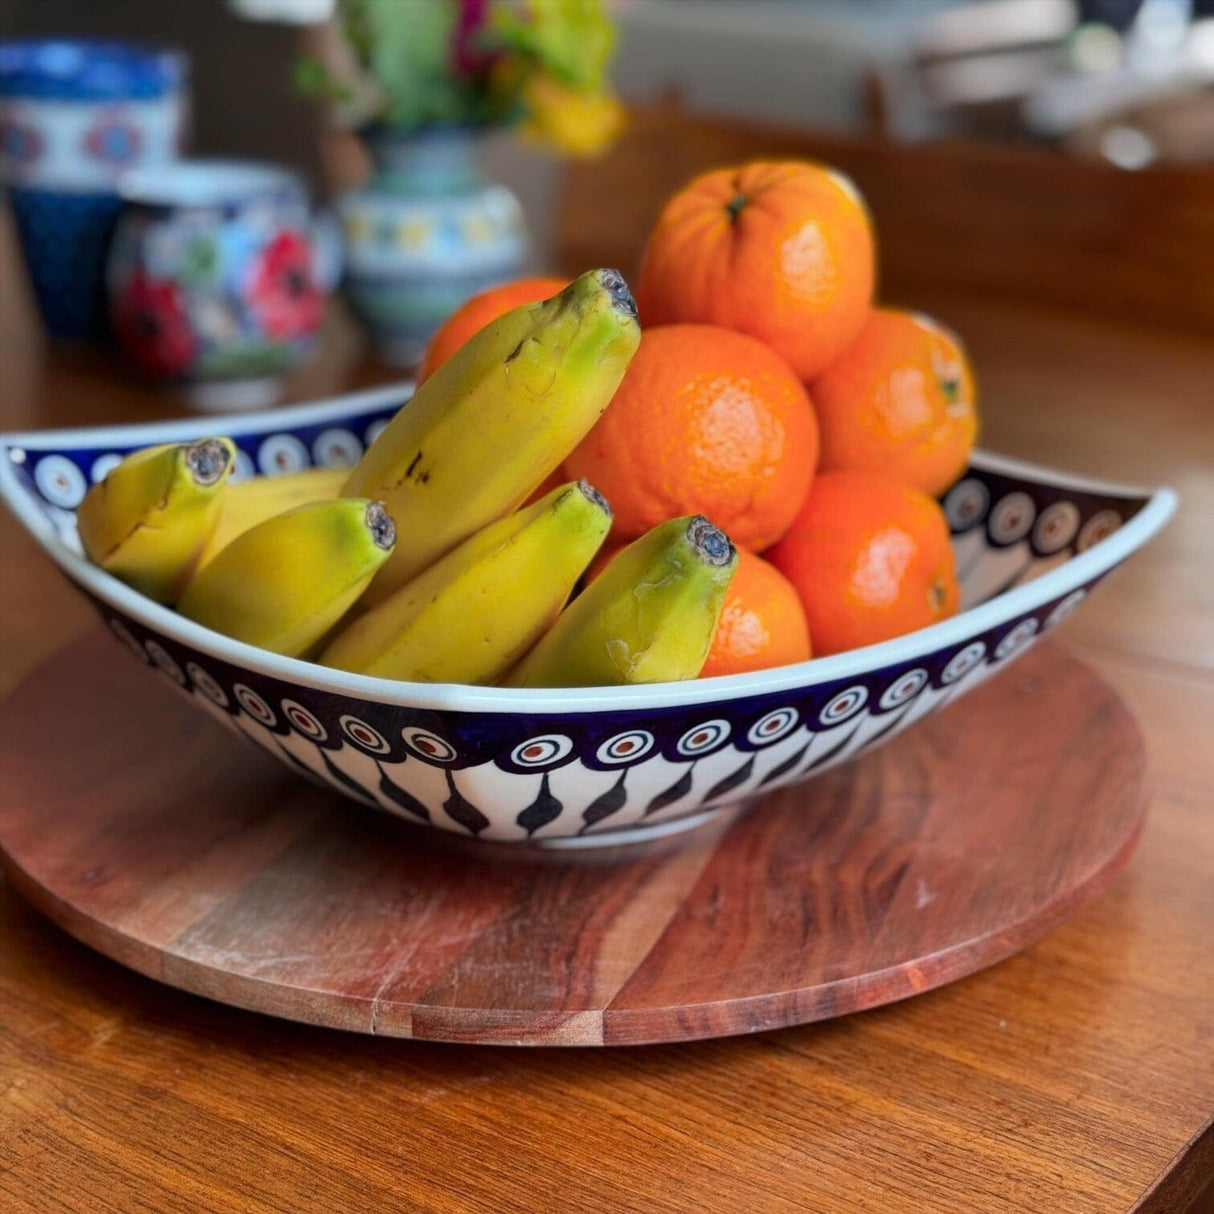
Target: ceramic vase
425,234
74,117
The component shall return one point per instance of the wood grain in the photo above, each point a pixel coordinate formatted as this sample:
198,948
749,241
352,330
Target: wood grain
1076,1077
176,851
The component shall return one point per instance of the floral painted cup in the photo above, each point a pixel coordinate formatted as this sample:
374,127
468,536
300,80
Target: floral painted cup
218,277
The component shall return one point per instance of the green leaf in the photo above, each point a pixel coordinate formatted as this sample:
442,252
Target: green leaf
200,263
312,80
407,47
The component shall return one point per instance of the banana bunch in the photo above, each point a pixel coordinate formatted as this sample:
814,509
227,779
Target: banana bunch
649,617
284,583
494,420
274,561
165,512
149,520
468,584
477,610
247,503
490,610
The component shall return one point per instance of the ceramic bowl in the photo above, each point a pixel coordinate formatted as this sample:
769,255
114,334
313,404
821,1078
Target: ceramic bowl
587,765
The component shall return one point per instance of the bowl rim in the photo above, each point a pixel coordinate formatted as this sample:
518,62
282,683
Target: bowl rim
1160,504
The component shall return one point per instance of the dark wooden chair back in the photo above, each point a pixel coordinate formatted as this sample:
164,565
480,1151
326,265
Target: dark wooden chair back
994,220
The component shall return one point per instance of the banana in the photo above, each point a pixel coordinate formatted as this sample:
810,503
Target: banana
284,583
477,610
247,503
148,521
495,419
649,617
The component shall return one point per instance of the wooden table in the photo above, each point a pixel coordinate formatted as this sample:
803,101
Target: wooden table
1074,1077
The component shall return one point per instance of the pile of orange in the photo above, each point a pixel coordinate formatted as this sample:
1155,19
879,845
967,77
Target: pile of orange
770,394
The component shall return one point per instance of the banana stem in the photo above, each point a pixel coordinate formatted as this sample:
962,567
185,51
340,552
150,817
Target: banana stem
381,526
207,460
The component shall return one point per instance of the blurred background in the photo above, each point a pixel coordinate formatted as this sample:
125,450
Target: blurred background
1053,151
1075,74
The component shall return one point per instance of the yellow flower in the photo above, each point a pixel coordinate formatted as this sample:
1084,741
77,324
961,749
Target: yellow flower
580,123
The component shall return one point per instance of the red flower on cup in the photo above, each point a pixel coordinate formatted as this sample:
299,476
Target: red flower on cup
283,295
150,321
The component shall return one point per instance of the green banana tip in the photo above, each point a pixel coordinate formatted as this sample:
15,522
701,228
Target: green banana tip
588,286
612,281
381,526
209,460
713,546
594,496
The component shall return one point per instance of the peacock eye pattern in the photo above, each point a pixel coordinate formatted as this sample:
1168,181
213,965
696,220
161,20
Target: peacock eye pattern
516,775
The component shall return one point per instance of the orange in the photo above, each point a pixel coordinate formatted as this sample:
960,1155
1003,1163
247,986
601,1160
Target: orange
471,317
870,559
782,251
706,421
899,400
762,621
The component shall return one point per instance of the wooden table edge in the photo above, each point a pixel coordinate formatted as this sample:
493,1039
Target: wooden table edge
1183,1178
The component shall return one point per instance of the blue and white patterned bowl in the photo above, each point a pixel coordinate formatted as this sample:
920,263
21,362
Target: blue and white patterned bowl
586,765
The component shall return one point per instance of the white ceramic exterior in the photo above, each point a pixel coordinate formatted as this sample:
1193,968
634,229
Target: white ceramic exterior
85,146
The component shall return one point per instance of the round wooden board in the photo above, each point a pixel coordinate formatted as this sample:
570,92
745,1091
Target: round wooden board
152,835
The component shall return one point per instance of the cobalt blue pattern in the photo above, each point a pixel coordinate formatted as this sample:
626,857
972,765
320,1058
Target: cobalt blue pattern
60,477
1046,517
425,234
65,237
752,734
74,114
521,774
455,741
87,70
216,273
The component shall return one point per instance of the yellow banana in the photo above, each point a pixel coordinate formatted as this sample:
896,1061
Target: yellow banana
649,617
495,419
476,611
285,582
247,503
148,521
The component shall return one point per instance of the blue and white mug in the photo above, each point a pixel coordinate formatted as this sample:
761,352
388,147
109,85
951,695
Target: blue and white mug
75,115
